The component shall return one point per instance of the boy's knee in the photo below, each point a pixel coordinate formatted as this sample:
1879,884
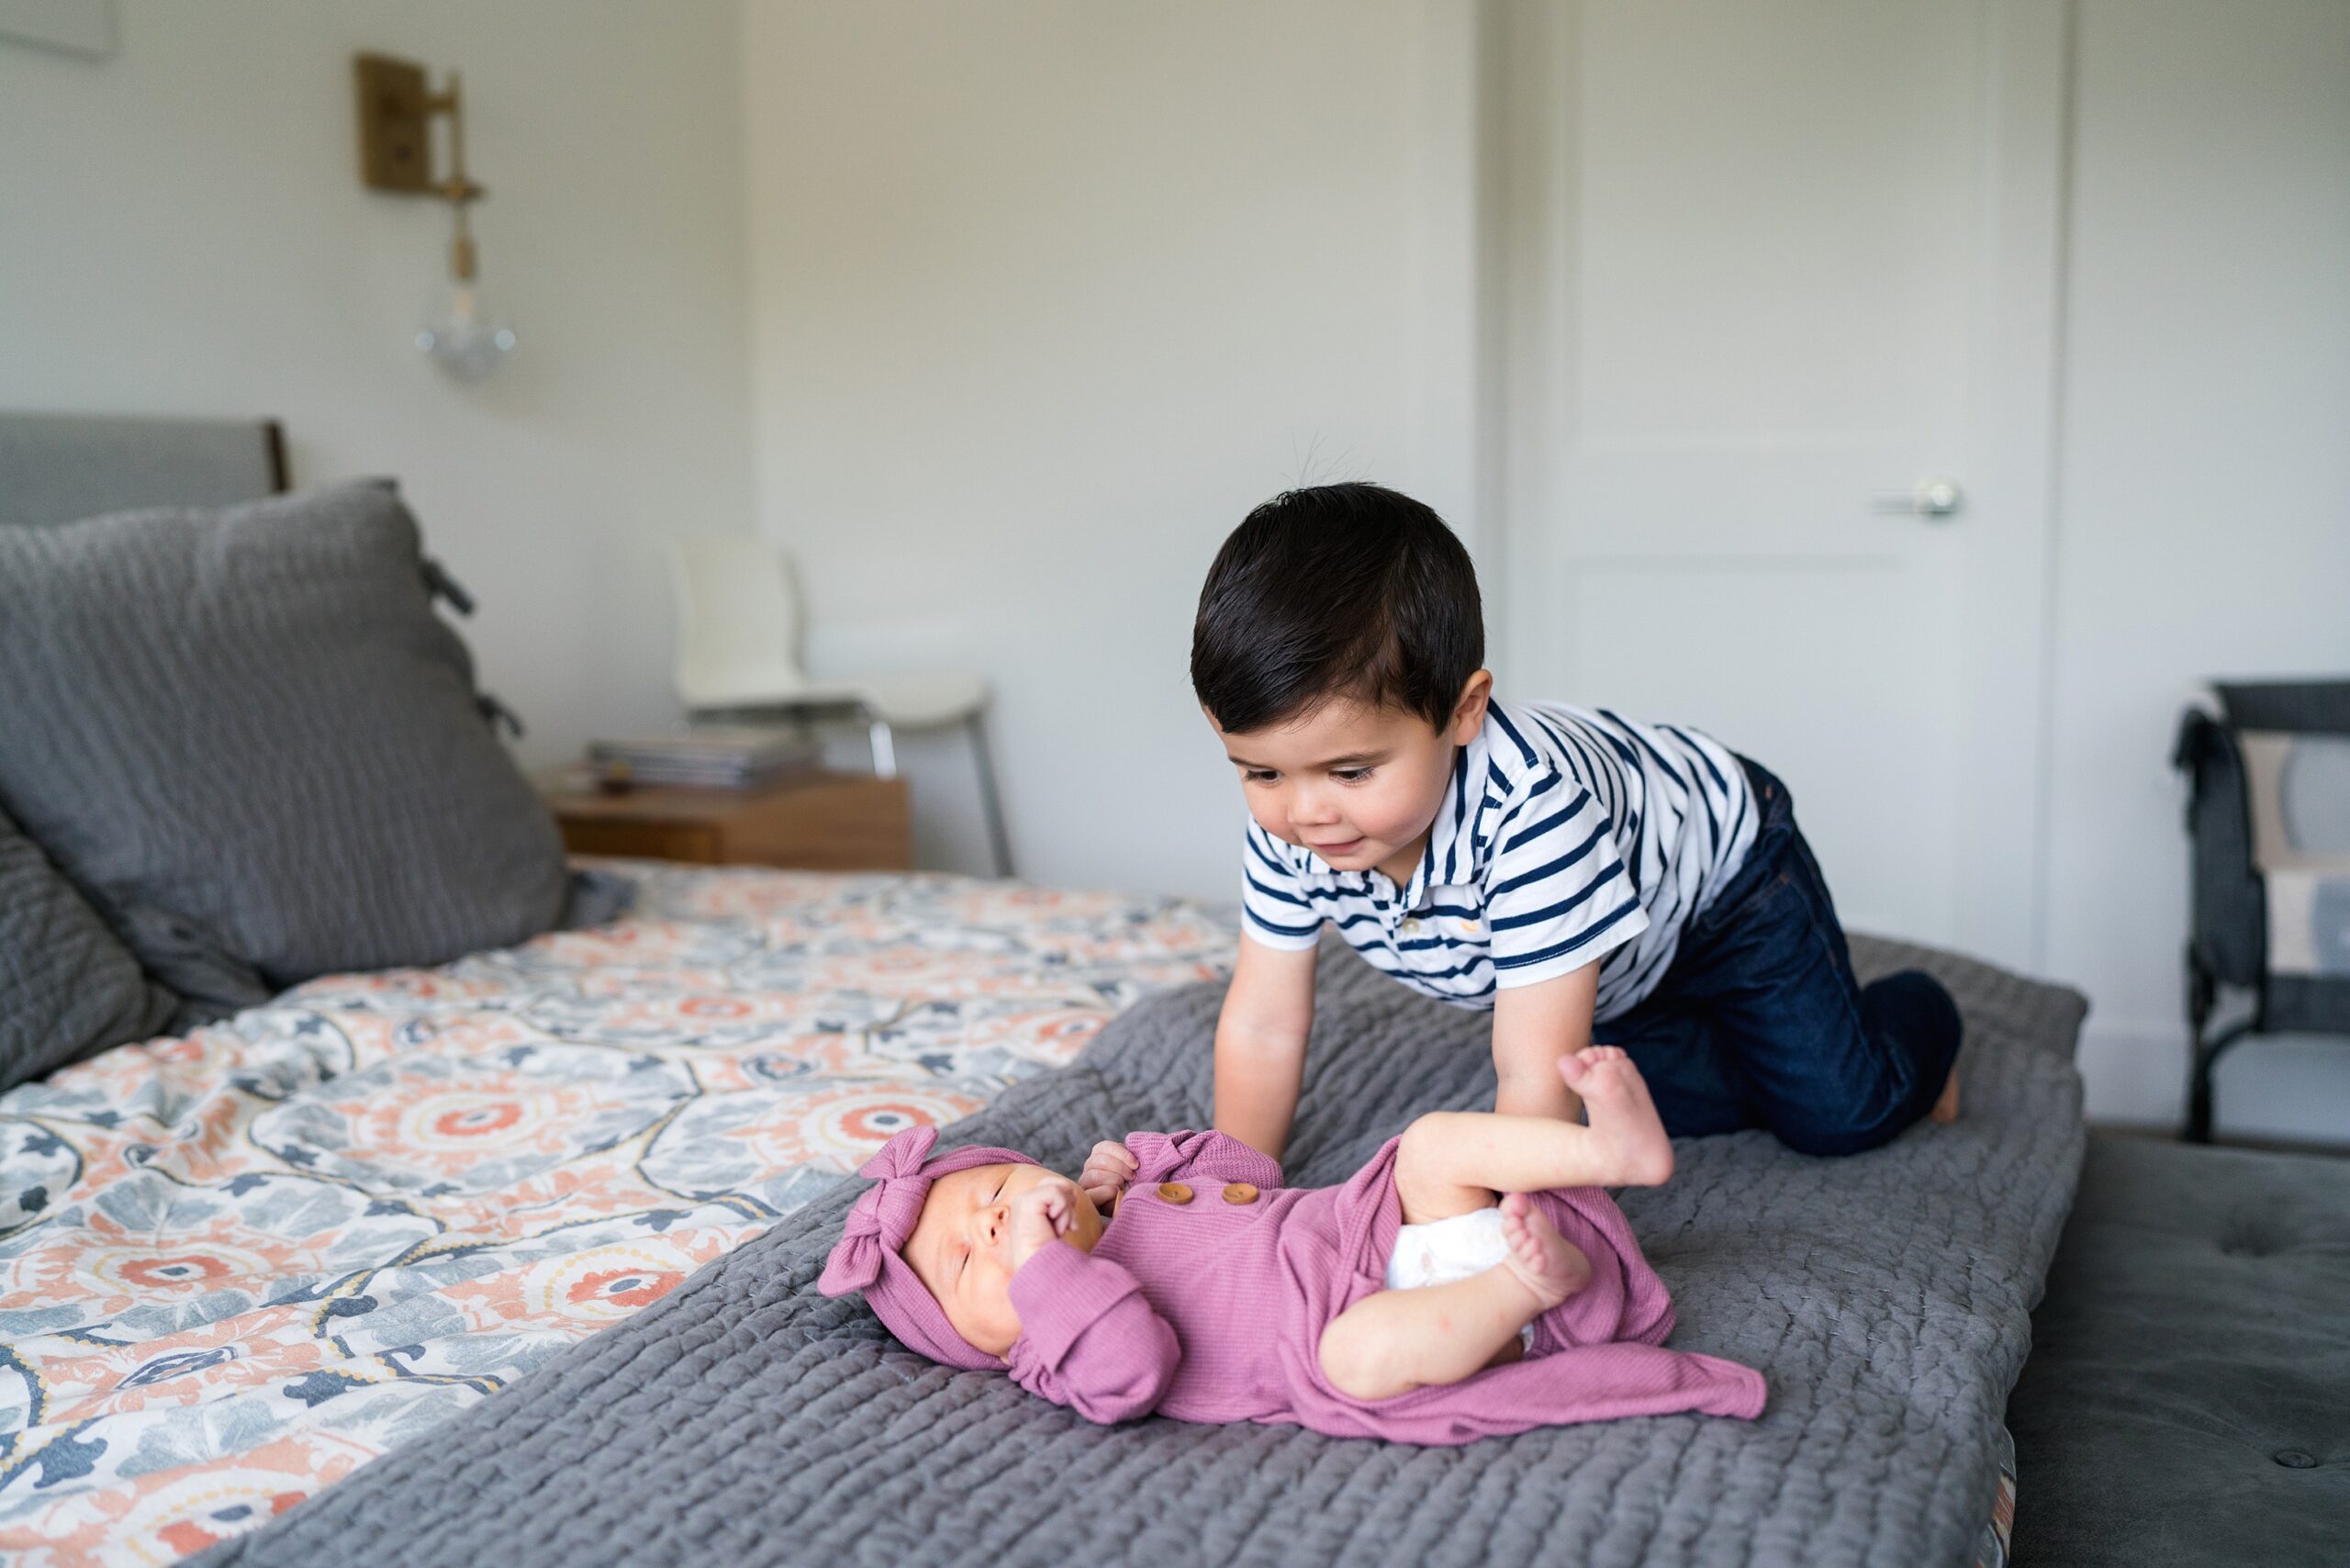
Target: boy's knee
1911,1021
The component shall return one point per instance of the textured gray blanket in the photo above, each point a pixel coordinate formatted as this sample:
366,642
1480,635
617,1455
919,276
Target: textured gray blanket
747,1420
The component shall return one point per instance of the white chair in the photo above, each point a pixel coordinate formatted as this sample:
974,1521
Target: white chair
738,660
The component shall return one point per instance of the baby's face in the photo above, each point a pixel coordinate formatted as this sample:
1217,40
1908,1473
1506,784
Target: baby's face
961,1248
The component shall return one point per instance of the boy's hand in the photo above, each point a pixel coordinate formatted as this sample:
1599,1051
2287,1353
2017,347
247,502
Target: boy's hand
1039,1215
1107,1171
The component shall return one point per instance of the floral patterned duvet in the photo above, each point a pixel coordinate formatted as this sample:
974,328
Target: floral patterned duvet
236,1266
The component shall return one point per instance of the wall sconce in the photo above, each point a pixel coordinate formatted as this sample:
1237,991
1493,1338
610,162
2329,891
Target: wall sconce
396,111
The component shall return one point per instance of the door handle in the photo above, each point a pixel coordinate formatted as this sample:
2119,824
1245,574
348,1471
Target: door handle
1929,498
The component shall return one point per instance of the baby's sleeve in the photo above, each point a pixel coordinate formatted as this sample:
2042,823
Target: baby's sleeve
1203,1156
1089,1339
1557,894
1274,910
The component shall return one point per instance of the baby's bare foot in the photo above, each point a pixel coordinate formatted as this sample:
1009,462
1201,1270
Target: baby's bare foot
1621,1115
1543,1261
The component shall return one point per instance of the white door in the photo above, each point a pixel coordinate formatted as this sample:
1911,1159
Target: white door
1772,268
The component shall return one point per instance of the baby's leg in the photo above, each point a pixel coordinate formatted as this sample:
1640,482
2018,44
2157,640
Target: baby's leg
1453,1162
1395,1341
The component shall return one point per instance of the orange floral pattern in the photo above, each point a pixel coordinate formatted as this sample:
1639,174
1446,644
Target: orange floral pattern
234,1267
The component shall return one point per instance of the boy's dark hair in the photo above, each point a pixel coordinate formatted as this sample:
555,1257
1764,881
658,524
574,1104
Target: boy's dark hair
1339,590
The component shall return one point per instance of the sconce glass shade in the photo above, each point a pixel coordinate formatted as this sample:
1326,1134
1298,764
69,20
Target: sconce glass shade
466,337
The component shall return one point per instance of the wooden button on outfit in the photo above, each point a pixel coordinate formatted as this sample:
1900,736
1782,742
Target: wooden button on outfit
1175,1191
1240,1193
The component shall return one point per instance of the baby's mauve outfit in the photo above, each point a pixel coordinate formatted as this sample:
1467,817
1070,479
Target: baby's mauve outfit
1205,1298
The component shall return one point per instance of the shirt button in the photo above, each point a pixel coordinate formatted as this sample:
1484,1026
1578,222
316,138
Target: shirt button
1410,926
1175,1191
1240,1193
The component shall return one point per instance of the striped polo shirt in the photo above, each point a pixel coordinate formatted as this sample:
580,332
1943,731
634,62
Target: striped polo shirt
1569,836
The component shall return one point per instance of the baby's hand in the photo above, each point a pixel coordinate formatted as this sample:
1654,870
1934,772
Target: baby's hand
1107,1171
1039,1215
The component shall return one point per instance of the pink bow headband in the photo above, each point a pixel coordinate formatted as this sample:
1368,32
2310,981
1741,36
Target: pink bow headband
869,1255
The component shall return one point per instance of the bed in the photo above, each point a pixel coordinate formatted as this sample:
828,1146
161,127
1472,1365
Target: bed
243,1265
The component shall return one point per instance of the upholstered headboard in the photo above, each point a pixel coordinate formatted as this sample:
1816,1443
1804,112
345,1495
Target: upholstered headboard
57,467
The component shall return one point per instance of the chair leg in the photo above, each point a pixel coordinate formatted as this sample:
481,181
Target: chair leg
2198,1078
998,841
2199,1096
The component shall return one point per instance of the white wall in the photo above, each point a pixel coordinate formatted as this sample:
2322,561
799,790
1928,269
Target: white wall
183,231
1046,296
2204,489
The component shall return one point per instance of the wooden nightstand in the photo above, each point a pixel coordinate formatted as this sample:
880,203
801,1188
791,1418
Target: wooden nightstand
825,822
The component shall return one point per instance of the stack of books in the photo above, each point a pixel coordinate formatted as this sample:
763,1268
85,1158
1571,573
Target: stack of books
717,758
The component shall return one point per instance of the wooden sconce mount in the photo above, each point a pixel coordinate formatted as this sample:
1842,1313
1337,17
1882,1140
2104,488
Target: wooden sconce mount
395,108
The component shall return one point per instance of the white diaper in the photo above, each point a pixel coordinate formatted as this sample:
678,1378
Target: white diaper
1446,1249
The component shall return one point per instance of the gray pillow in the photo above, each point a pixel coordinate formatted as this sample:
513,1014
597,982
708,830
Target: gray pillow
245,733
67,988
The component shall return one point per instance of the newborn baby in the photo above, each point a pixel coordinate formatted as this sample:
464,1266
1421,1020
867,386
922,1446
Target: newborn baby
1214,1293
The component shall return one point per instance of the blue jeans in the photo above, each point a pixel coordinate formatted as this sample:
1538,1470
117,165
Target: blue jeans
1760,1022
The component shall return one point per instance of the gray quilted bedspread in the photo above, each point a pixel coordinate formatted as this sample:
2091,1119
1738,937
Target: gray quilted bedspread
747,1420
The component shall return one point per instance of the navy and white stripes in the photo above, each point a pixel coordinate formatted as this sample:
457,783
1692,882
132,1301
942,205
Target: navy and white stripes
1568,836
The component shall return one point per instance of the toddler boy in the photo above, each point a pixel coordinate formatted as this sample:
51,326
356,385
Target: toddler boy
1563,868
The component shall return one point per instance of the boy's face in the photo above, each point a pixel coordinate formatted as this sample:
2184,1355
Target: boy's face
961,1247
1358,785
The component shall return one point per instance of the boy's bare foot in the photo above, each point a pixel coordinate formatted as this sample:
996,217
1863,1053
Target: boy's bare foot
1544,1261
1946,1108
1620,1115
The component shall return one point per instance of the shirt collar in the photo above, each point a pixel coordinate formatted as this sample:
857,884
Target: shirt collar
1454,856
